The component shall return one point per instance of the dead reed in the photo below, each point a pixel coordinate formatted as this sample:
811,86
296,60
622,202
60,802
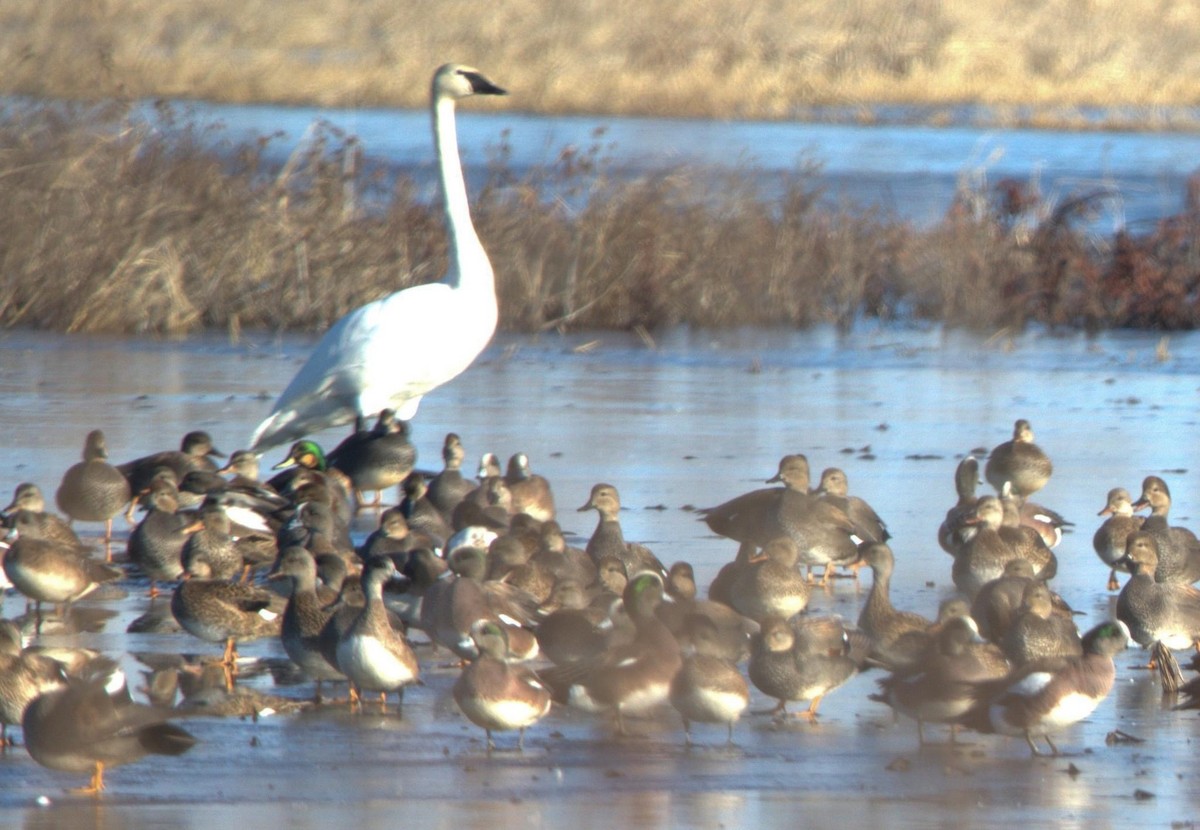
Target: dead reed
767,59
112,226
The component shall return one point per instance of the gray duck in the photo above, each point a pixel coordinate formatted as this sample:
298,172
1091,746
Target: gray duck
373,655
708,688
1156,612
305,618
196,452
218,611
449,487
156,542
771,584
1038,633
531,493
82,726
804,660
834,488
955,530
28,498
1178,547
1110,538
882,622
994,545
609,540
93,490
1020,462
375,459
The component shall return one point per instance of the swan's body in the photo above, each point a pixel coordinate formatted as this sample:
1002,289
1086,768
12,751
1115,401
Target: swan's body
366,362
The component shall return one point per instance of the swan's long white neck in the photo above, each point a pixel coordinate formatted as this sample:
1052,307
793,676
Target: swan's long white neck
469,266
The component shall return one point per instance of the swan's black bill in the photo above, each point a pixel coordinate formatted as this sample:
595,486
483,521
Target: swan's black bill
482,86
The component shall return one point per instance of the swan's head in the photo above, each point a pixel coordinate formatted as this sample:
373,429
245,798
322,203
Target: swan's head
453,80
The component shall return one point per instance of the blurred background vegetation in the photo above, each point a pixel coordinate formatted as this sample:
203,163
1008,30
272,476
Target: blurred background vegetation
708,59
111,225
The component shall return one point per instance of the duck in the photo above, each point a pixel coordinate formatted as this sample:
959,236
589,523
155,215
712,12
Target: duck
804,660
450,608
211,551
196,452
316,526
489,490
1049,524
421,514
752,518
1020,462
955,530
24,674
392,538
93,490
1037,632
305,618
452,604
243,469
511,562
487,507
253,506
719,590
563,560
906,652
997,604
1029,524
834,488
611,581
156,543
609,539
1110,538
449,487
708,688
375,459
823,533
87,726
947,685
251,509
305,475
1178,547
373,655
495,694
218,611
531,493
1154,611
45,570
993,546
882,622
569,630
731,639
1048,694
771,584
630,678
353,373
28,499
206,693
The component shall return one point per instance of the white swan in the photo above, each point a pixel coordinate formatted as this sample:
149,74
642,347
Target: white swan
367,361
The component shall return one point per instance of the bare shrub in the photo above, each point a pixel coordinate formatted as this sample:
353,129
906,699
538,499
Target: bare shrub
113,225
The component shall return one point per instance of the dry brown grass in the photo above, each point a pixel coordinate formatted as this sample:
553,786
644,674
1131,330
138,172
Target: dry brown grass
110,226
764,60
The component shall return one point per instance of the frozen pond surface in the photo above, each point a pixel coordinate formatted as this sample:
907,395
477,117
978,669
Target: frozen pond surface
694,421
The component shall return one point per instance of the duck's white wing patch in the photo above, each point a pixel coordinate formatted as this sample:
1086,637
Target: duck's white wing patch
1031,684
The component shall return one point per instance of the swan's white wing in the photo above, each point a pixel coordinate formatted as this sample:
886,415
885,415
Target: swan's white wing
384,354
